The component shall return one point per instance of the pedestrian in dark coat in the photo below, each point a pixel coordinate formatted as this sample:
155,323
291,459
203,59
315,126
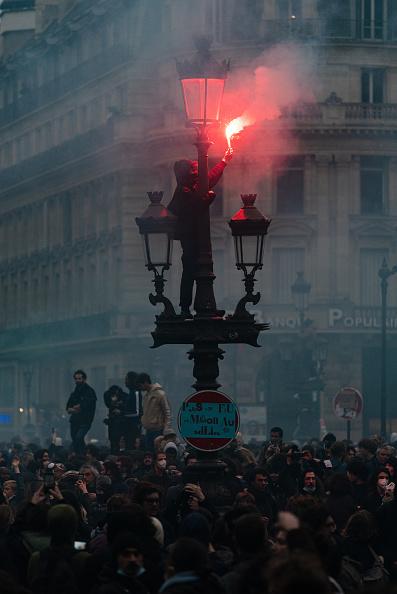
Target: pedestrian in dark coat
81,408
187,205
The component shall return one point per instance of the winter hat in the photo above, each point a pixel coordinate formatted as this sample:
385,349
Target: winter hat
171,445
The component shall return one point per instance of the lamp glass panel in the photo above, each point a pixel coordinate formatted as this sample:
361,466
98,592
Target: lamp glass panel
202,98
251,249
214,97
194,96
158,249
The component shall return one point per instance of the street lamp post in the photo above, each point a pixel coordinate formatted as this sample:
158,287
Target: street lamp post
202,83
28,376
384,273
313,351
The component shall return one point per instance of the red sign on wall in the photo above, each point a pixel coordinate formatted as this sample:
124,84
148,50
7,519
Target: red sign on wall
208,420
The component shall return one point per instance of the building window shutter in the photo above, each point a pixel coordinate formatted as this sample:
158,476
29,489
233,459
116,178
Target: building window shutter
286,262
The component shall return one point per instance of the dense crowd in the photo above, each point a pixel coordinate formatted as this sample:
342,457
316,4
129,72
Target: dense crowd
274,519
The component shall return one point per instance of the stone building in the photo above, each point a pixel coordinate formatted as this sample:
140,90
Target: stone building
91,118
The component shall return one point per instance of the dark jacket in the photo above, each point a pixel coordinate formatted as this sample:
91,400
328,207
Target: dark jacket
85,396
186,204
189,583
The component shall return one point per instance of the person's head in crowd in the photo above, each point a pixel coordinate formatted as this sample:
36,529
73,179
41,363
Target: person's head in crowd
62,522
367,449
276,436
309,511
42,458
5,474
298,572
328,440
187,554
244,499
131,380
338,450
260,479
250,534
391,466
80,377
90,474
91,453
103,488
127,554
307,453
9,489
149,497
339,485
160,463
144,381
147,461
196,525
112,470
357,472
361,527
379,481
170,435
118,502
275,466
330,525
350,453
171,453
382,455
191,459
309,482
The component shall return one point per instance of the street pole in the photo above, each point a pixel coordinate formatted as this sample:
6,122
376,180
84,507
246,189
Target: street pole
28,374
348,430
384,273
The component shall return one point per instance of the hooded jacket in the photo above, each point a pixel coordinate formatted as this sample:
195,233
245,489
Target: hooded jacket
156,410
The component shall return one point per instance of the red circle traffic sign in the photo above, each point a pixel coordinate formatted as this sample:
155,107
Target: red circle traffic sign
208,420
348,403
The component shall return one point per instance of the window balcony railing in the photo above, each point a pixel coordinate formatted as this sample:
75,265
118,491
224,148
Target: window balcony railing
333,30
345,113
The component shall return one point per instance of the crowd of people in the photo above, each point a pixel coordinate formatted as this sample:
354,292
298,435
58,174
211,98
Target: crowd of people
148,517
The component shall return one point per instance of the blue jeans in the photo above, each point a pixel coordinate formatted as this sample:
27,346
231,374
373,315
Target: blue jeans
78,433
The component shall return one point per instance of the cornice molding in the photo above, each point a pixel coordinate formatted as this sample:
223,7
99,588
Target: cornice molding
362,227
58,253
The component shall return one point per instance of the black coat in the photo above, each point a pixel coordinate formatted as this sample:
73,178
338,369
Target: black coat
186,204
85,396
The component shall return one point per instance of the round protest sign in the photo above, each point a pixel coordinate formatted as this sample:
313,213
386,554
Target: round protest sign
208,420
348,403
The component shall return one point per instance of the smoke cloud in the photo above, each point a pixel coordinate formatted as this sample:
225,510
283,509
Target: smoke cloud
258,95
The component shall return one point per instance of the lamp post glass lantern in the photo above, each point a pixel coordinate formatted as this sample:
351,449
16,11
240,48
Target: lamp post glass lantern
203,83
157,226
249,228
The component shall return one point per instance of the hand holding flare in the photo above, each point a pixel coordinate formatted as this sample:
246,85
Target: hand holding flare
236,126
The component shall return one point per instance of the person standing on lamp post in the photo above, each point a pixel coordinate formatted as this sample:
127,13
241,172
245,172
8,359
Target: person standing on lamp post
81,408
185,205
156,411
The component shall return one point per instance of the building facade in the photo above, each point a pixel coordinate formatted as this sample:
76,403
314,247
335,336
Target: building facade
91,118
